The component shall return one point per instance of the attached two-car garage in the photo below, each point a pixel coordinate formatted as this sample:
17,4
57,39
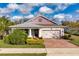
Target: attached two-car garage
52,32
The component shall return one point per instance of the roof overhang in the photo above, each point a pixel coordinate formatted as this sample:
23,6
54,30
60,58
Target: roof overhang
40,27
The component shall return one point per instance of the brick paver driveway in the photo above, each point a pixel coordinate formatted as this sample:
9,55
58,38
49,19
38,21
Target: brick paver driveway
58,43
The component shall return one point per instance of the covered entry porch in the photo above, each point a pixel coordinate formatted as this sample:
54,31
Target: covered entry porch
32,32
29,31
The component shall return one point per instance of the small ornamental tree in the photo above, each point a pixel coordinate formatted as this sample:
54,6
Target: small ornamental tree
17,37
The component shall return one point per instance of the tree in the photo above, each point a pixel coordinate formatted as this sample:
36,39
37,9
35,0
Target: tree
4,23
71,24
19,21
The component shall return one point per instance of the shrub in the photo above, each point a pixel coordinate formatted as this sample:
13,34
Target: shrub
34,42
40,38
6,39
69,35
70,38
66,36
76,33
29,37
67,31
17,37
35,38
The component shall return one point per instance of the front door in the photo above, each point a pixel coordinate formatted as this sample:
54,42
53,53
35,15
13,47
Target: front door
36,32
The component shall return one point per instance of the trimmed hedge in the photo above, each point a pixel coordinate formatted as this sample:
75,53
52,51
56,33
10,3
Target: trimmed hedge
18,37
34,41
67,36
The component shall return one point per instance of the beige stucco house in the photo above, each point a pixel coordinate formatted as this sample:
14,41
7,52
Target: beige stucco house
40,26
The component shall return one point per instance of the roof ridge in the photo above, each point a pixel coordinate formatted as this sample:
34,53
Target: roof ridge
47,19
40,16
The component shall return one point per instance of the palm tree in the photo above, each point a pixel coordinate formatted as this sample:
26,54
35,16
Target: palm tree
4,23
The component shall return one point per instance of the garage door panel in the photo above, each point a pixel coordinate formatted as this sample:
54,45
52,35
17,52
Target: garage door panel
51,34
47,34
56,34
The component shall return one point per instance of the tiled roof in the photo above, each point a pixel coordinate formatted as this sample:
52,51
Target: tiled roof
29,23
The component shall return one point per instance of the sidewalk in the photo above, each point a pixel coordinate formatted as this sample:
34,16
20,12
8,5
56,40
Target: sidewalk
22,50
62,51
49,51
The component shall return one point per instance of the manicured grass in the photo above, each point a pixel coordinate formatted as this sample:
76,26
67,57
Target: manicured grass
24,54
75,37
3,45
75,40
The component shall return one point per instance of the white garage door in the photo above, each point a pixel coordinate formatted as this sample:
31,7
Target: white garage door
51,34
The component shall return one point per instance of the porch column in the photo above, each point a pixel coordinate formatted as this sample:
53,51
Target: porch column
12,29
30,33
40,33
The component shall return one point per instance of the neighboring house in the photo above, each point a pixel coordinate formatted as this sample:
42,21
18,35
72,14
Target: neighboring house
40,26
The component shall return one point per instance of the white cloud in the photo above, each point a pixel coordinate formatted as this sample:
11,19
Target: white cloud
7,10
16,17
4,10
68,15
35,4
24,8
1,15
12,6
29,16
63,16
77,11
62,6
45,9
59,16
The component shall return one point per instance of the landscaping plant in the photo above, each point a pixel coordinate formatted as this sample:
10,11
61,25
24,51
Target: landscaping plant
17,37
66,36
33,41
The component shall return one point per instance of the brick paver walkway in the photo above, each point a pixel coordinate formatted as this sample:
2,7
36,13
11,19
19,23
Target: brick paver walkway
58,43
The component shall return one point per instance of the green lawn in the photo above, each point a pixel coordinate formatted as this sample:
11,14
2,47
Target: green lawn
75,37
75,40
24,54
3,45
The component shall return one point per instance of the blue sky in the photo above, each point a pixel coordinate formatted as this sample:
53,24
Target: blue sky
53,10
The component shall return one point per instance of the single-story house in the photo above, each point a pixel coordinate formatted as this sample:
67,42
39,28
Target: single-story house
40,26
